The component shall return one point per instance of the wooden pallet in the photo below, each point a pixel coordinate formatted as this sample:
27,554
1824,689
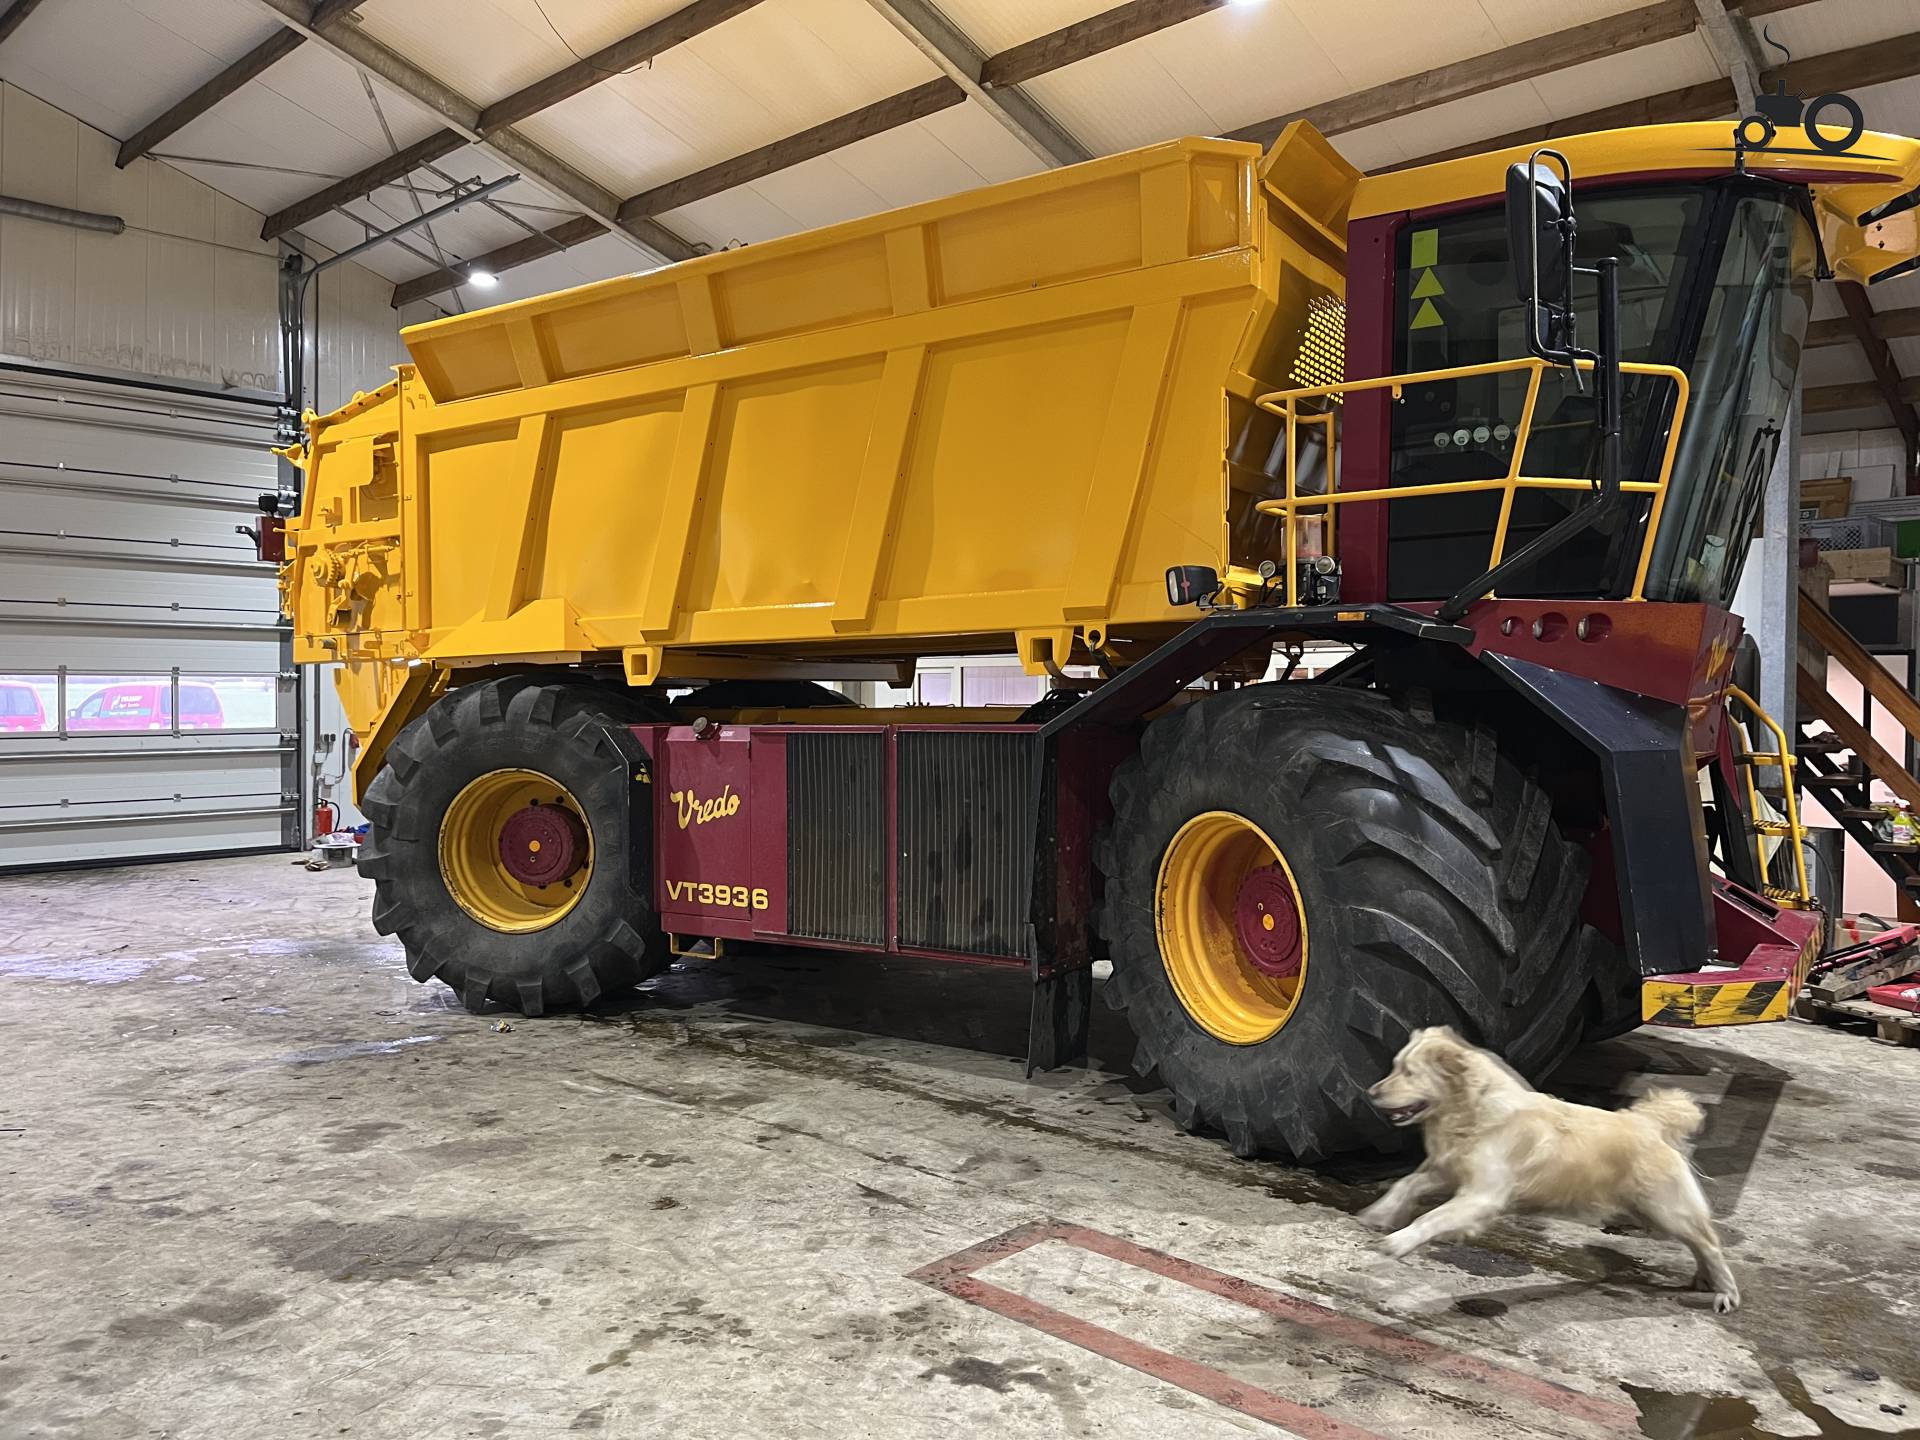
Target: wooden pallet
1890,1026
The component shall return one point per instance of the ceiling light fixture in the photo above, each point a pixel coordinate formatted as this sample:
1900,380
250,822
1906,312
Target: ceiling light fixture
483,279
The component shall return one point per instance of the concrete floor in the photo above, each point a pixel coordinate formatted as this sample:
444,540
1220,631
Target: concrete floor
255,1182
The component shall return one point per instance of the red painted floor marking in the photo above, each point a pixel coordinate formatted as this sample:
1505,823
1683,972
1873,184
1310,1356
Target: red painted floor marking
955,1274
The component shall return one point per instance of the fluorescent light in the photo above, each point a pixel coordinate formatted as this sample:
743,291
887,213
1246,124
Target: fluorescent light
483,279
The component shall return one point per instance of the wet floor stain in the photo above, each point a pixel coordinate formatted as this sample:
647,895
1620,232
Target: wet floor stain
352,1139
1478,1261
1481,1307
353,1051
419,1249
98,970
686,1323
972,1370
221,1308
1667,1415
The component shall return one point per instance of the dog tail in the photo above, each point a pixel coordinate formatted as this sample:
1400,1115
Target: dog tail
1673,1113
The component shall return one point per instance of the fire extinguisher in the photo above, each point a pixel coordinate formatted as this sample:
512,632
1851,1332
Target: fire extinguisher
326,818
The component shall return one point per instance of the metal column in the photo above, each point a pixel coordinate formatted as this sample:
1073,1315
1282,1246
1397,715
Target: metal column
1777,627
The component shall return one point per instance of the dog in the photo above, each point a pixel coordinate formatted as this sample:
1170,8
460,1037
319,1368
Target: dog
1496,1146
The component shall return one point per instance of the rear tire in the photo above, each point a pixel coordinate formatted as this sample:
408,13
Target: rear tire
545,947
1433,887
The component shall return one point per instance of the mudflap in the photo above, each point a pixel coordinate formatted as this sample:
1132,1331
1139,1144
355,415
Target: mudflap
1768,950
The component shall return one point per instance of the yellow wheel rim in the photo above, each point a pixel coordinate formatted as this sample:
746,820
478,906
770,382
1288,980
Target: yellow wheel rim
516,851
1232,928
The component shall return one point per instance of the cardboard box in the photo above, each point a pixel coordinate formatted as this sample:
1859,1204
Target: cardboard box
1828,499
1876,566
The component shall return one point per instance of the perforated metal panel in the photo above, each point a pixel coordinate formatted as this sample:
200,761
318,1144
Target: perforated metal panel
1323,349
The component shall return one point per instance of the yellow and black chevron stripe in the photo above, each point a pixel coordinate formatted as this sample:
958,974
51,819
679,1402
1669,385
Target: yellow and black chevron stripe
1734,1001
1729,1002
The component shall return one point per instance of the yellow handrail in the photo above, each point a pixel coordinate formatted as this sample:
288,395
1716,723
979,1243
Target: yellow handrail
1794,832
1286,404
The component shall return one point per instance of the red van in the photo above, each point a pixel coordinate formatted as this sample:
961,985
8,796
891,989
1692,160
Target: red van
20,707
146,706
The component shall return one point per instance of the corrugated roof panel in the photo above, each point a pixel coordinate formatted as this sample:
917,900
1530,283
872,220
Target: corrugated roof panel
1816,29
1442,127
650,149
486,49
766,74
308,116
1610,79
1369,42
1518,20
1157,107
740,216
819,192
114,65
1225,61
982,142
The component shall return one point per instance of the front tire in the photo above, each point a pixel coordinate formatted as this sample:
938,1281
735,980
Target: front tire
501,848
1428,886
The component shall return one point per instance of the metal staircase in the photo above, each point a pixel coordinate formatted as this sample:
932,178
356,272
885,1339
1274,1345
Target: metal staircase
1842,764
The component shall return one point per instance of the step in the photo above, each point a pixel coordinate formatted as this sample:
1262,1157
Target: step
1771,827
1828,746
1845,780
1859,812
1892,847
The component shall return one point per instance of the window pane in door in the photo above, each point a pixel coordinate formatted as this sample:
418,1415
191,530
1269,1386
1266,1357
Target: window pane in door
29,705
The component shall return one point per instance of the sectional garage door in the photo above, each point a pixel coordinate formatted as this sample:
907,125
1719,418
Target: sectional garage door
146,707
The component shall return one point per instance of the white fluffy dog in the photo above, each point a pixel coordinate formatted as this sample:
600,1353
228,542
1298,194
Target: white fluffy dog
1496,1145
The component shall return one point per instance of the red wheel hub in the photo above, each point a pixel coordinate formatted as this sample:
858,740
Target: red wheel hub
1267,917
542,844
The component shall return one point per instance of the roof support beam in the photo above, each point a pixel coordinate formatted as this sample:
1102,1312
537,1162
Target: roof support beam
1734,49
636,49
1886,371
1098,33
1854,395
1852,69
623,54
1887,324
249,66
895,110
15,17
548,172
963,63
1528,60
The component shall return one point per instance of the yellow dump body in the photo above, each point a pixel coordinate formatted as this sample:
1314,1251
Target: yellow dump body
989,421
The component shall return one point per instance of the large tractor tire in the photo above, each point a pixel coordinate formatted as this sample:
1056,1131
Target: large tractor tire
1298,877
502,850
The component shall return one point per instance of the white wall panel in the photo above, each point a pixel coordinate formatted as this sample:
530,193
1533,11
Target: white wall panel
188,293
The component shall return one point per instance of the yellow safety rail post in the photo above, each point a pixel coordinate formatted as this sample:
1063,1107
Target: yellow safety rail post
1792,830
1286,404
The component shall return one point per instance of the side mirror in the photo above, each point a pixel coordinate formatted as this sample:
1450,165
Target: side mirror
1540,231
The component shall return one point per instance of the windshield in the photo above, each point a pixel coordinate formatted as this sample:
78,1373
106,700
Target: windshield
1742,374
1747,303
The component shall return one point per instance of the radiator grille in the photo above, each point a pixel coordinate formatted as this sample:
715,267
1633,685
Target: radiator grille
965,810
837,837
